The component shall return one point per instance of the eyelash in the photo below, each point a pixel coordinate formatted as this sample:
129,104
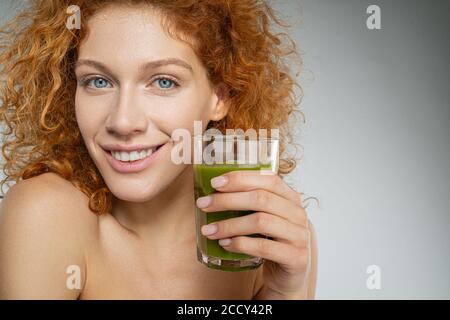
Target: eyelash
85,82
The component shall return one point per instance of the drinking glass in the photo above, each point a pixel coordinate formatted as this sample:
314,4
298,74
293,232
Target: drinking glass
221,154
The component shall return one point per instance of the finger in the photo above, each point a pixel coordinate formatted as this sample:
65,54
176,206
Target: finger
255,200
247,180
288,256
259,222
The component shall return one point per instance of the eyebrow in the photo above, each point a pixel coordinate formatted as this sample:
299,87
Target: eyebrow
149,65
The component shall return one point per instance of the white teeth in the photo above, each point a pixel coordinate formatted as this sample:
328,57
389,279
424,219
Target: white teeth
124,156
131,156
134,155
116,154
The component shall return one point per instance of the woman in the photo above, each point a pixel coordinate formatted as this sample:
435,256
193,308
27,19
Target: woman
131,74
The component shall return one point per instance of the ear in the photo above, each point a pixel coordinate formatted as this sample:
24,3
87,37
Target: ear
220,106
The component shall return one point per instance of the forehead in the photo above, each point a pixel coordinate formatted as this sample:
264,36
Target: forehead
131,34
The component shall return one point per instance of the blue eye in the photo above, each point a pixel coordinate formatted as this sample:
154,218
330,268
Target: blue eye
165,83
97,82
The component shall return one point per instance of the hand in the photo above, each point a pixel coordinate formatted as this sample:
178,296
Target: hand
279,215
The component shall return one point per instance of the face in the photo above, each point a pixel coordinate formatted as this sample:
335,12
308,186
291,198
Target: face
128,102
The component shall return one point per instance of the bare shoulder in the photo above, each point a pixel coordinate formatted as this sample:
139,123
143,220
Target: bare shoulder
45,226
49,197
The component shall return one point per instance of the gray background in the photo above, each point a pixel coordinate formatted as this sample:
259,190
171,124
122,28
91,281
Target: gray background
375,143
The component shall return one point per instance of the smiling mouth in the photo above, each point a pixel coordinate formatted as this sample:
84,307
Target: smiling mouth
132,161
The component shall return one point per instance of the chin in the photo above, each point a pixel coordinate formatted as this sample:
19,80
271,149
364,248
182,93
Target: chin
130,196
141,188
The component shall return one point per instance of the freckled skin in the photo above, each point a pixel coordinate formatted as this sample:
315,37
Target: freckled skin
145,248
151,228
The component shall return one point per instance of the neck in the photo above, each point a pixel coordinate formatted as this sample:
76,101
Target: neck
168,216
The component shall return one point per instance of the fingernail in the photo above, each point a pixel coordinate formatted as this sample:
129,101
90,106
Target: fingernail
225,242
209,229
219,181
203,202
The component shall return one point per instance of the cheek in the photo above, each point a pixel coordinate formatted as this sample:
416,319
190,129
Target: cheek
80,113
87,117
183,115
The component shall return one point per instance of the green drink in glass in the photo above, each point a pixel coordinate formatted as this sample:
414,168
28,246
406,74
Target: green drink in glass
265,160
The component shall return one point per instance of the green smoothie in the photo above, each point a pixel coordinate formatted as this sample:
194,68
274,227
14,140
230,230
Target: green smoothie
203,173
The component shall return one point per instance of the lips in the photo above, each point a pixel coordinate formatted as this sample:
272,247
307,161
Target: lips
139,147
128,166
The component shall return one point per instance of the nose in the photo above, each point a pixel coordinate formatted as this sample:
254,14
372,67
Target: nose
127,116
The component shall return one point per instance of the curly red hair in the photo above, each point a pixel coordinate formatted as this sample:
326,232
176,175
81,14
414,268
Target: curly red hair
233,39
